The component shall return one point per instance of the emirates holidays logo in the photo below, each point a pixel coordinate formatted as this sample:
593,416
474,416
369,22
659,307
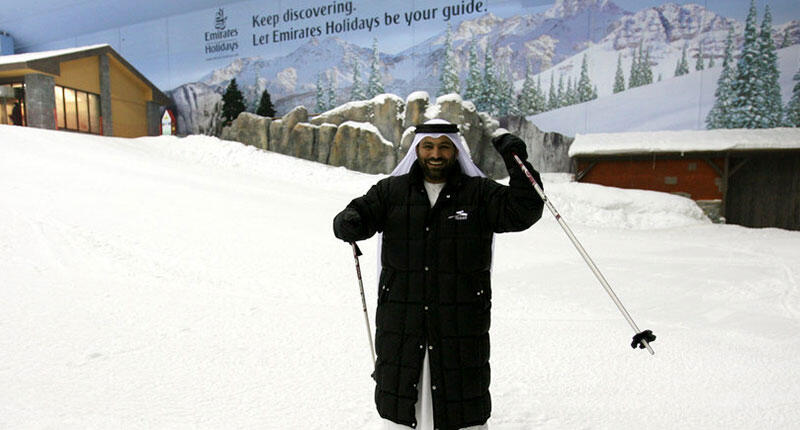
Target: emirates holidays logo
222,42
219,21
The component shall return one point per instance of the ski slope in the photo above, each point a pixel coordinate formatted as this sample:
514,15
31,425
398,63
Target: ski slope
675,103
196,283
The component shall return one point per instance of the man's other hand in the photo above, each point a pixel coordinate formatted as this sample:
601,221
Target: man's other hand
347,225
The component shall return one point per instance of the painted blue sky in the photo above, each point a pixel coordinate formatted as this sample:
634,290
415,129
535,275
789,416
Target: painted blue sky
32,23
165,39
782,10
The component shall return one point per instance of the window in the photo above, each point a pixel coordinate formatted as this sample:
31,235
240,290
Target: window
12,105
77,110
60,108
94,110
83,111
70,110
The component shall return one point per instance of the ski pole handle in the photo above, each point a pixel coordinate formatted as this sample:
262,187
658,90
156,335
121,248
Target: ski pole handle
583,253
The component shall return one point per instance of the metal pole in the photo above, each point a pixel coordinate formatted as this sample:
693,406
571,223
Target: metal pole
583,252
356,253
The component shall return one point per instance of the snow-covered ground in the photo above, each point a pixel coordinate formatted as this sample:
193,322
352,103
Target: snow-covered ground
196,283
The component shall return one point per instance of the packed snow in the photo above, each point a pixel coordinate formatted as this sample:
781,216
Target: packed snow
416,96
192,282
368,127
686,141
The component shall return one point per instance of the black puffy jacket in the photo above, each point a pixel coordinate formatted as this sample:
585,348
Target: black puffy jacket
434,289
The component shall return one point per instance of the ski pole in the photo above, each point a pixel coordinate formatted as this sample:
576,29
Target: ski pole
641,337
356,254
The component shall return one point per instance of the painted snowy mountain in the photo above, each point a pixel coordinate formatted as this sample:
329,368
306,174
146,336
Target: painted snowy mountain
664,31
290,79
539,40
557,37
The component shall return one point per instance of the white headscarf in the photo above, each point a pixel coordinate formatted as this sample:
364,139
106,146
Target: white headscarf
464,160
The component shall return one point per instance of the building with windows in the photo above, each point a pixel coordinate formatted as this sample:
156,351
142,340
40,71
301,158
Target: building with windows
89,89
749,177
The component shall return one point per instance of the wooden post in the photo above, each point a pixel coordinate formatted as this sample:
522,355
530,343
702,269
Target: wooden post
725,176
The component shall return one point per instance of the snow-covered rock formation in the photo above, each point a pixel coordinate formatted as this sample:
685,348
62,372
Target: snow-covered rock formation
373,135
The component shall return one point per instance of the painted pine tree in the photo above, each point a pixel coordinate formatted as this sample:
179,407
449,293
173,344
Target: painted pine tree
720,114
448,79
571,95
321,104
357,90
787,39
584,89
560,96
646,70
792,113
682,68
772,115
641,71
375,83
698,65
619,77
746,111
711,61
232,102
503,89
265,106
539,100
473,89
508,104
552,96
491,92
633,78
528,94
330,91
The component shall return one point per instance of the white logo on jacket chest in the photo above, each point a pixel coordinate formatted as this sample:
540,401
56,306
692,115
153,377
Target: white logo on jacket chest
459,216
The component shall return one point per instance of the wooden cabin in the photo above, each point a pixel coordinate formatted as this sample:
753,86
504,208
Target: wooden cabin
749,177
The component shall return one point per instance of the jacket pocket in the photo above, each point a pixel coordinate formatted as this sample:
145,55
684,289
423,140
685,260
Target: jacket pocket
482,288
384,284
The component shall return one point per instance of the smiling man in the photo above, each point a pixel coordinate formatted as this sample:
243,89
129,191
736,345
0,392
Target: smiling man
437,213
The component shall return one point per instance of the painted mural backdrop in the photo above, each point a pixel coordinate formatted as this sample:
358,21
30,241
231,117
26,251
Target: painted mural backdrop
571,66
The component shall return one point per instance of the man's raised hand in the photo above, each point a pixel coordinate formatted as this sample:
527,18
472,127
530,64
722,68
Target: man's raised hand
507,144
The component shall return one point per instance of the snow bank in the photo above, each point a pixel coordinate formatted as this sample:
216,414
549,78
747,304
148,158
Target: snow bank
417,95
360,104
370,128
601,206
432,111
451,98
383,98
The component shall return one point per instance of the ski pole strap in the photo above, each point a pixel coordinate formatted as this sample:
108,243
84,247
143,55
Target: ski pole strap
639,339
356,249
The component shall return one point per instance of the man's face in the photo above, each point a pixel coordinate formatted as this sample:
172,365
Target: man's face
436,156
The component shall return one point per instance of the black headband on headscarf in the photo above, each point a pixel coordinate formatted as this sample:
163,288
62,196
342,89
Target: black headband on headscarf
436,128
